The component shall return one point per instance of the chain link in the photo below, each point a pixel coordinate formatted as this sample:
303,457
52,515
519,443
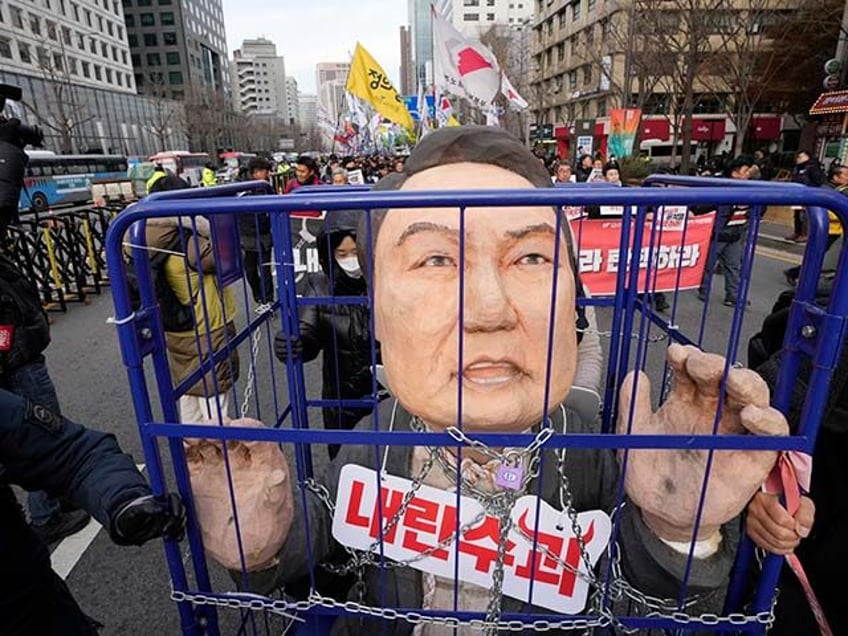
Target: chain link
633,336
261,310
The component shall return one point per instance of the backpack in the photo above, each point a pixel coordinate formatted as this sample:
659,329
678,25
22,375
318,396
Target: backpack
176,317
24,328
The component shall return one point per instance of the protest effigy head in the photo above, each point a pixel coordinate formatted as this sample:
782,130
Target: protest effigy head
516,272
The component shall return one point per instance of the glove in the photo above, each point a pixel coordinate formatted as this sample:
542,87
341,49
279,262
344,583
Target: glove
286,347
149,517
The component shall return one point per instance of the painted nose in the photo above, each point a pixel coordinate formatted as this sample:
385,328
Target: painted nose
487,306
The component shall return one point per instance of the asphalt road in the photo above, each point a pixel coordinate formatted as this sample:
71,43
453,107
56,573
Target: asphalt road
127,589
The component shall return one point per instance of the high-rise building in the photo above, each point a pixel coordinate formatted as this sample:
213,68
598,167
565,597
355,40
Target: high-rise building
421,29
330,81
407,65
81,42
292,99
259,79
307,111
178,46
476,17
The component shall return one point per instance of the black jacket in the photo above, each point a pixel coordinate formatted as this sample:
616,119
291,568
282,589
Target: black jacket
255,229
808,173
341,331
14,136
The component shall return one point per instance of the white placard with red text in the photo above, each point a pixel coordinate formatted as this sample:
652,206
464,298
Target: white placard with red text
431,517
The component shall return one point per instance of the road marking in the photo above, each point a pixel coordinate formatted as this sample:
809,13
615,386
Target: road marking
778,255
68,553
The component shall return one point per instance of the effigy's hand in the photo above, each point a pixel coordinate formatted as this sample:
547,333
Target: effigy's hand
667,484
262,491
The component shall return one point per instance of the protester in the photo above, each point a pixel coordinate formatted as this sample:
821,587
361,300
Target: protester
342,332
193,281
612,173
40,450
255,233
306,174
564,173
807,172
584,168
339,177
728,240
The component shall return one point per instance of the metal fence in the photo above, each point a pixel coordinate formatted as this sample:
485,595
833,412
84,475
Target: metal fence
631,330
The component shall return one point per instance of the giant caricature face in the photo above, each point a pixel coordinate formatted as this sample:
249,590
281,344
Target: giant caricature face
509,273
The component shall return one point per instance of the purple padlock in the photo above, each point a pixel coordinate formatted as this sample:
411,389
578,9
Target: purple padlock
509,477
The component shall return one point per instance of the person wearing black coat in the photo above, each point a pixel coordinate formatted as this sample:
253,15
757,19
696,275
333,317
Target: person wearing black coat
255,233
14,137
807,172
341,331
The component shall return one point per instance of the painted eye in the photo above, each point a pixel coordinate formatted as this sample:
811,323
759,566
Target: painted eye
438,260
533,259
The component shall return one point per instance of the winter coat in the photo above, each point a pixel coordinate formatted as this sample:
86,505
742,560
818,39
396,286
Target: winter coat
214,308
294,184
342,332
808,173
14,136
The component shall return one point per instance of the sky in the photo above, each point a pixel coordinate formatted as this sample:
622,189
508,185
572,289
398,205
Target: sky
310,31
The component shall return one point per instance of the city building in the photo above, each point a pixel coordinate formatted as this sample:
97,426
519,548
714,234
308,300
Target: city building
421,29
407,65
79,42
330,82
590,56
307,111
292,99
259,79
177,47
476,17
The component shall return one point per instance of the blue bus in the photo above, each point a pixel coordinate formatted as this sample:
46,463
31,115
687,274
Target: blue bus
53,180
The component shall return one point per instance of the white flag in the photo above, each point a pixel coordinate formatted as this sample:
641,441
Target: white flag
515,100
461,67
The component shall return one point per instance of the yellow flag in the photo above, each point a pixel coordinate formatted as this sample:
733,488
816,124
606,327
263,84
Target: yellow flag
369,81
452,121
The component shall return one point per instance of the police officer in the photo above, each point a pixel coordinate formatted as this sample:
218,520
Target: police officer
41,450
14,137
207,177
158,173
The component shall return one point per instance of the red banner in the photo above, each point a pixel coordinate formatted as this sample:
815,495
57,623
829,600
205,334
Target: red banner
674,249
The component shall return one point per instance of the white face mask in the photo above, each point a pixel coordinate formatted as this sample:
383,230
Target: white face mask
350,265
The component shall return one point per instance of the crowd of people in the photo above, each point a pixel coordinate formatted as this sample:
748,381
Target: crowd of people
116,494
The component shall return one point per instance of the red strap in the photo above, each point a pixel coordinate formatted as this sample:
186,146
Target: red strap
784,477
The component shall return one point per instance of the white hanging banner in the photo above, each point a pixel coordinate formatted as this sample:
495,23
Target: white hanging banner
431,518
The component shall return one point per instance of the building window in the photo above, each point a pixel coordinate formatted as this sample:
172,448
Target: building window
166,18
76,12
153,59
24,52
574,45
104,50
110,29
560,52
139,79
34,24
86,69
575,10
17,17
57,61
136,60
572,79
109,75
100,23
119,77
120,32
72,65
123,56
87,17
115,53
602,107
471,17
63,7
41,56
6,48
129,20
169,38
47,5
590,6
132,39
172,57
66,35
150,39
115,9
470,3
147,19
490,17
92,45
127,77
175,77
145,3
163,3
80,41
51,31
490,3
587,74
98,73
127,3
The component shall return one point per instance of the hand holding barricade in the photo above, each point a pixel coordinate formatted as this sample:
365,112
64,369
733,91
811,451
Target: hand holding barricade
667,484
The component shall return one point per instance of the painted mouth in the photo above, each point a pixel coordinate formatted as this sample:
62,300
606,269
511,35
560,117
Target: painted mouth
491,373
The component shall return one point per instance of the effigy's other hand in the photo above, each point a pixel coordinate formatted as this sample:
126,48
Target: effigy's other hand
256,476
667,484
771,527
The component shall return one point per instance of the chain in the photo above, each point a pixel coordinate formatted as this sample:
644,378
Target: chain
261,310
633,336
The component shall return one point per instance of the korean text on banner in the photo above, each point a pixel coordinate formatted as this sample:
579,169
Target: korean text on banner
624,123
600,257
368,81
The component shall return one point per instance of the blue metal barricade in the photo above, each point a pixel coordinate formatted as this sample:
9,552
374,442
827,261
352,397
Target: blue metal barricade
280,395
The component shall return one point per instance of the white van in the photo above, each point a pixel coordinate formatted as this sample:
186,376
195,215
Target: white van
659,151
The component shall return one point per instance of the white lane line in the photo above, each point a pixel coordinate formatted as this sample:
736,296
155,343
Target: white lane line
68,553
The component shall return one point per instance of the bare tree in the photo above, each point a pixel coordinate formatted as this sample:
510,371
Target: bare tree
210,122
63,114
168,116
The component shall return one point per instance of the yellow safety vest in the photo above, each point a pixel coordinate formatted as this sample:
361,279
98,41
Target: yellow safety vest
208,177
152,180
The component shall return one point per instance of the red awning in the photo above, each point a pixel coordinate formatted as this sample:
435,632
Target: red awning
654,129
765,127
707,129
833,102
